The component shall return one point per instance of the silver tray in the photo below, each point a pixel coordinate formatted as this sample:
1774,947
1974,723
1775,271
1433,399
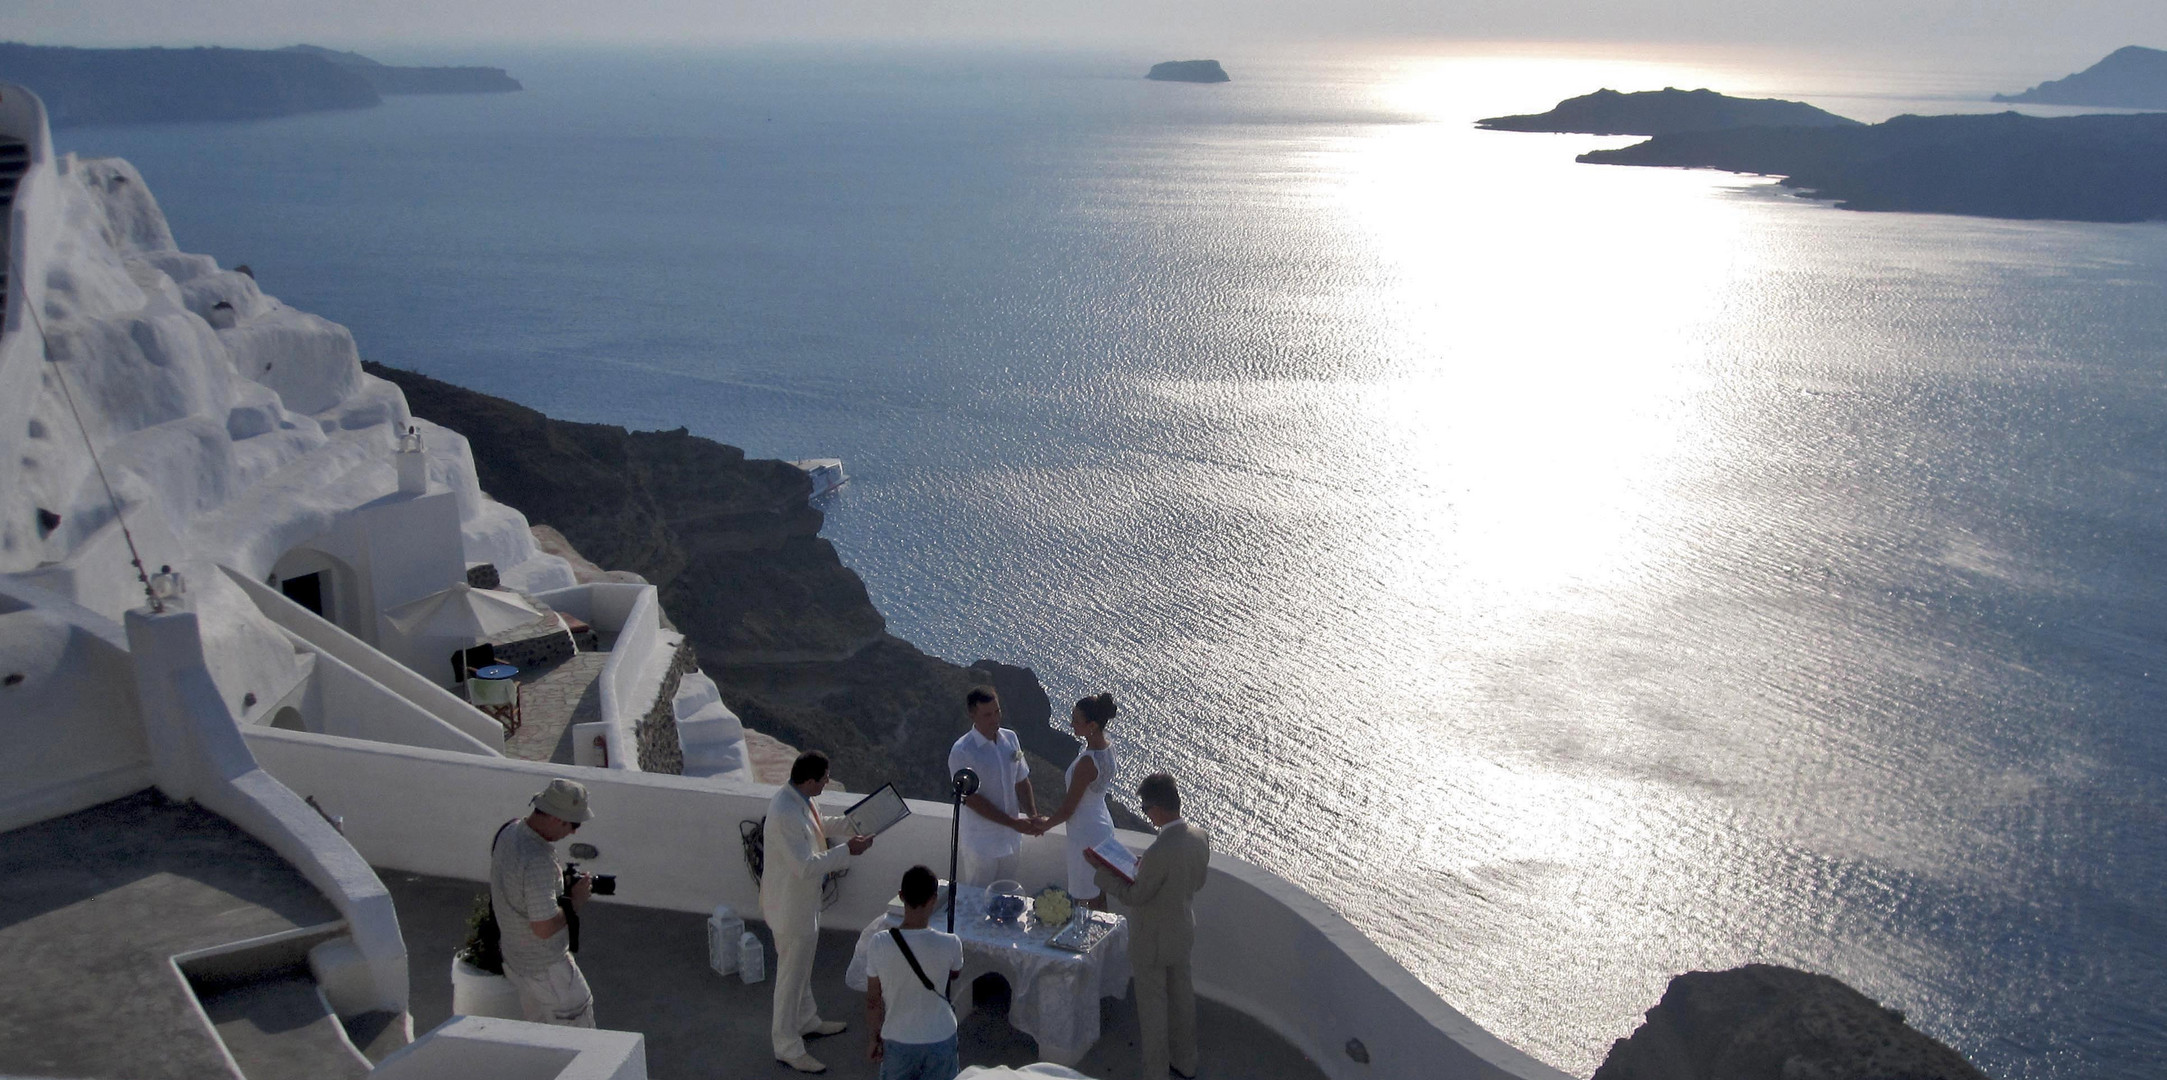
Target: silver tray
1083,936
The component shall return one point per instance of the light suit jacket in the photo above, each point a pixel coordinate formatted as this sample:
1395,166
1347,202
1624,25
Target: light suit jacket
1162,924
796,859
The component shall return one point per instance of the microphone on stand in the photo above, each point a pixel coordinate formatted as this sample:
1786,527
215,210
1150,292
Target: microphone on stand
966,785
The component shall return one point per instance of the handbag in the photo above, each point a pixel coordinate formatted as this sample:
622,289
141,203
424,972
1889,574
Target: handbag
485,928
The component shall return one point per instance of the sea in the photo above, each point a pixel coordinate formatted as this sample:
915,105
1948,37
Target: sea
1575,575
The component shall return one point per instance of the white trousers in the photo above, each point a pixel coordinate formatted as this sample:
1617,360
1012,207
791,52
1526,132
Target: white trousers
795,1010
974,869
557,994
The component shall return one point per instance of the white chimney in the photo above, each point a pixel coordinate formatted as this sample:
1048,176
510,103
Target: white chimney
413,464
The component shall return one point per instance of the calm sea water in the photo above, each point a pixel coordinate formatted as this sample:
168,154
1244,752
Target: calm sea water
1575,575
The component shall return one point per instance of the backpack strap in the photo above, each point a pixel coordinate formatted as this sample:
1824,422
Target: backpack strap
910,956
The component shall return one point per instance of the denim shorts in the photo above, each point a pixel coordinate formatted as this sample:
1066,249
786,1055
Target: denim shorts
919,1061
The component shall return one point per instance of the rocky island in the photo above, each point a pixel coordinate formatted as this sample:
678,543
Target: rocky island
1196,71
1664,112
2074,168
1763,1022
127,86
2132,77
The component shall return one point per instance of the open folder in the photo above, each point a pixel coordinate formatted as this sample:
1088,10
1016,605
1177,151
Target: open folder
1110,854
873,815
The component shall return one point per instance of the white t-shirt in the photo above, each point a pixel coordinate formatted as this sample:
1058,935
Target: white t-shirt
915,1014
1000,767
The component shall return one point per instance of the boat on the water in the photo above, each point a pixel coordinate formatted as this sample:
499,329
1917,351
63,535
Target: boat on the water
827,474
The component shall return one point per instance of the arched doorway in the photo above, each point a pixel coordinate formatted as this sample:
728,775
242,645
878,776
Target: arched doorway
322,583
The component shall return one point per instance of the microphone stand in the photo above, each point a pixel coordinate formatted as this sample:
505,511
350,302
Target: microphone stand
966,785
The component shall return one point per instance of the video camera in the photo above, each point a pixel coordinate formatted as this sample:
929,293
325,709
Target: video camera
604,884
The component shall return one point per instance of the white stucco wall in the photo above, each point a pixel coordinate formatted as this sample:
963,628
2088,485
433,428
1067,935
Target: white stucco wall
1263,945
638,661
69,716
33,226
197,753
412,691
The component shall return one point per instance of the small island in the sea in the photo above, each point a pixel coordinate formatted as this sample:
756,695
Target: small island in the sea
1665,112
2006,165
131,86
2132,77
1201,71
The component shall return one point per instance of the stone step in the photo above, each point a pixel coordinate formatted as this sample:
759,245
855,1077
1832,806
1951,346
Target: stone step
377,1034
278,1026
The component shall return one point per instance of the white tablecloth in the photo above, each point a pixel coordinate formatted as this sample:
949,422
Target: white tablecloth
1054,994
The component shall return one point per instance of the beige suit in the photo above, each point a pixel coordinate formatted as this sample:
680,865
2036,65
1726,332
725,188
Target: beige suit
798,857
1162,928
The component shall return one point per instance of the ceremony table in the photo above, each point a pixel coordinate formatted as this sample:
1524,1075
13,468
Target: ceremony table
1054,993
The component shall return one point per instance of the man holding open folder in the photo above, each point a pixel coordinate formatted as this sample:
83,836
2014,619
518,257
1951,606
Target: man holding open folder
1162,927
798,859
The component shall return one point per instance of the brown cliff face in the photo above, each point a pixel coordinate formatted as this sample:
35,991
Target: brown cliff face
784,628
1763,1022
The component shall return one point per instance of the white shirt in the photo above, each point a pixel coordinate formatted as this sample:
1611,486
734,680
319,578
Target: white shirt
1000,767
915,1014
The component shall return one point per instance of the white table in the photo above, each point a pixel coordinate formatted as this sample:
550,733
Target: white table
1054,993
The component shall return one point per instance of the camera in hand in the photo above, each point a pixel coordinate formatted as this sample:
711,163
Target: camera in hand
604,884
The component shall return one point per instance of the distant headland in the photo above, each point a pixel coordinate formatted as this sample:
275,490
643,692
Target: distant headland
1199,71
388,79
129,86
2132,77
1665,112
2007,165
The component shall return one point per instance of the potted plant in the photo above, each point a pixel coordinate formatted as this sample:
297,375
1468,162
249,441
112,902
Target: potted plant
478,985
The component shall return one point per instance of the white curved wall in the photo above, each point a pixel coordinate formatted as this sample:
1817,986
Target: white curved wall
1263,945
638,659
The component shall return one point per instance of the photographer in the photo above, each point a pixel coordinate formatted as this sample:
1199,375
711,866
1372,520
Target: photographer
534,899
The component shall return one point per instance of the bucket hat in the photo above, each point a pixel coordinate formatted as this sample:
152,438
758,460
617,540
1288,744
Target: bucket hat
565,800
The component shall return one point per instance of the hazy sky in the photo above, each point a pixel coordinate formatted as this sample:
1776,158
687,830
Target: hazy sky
2087,28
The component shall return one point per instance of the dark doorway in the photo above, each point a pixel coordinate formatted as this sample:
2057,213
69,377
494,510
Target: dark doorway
306,590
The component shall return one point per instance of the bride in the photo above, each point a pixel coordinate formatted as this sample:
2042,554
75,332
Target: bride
1090,777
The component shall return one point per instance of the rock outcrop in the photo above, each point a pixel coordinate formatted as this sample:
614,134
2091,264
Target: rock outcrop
733,547
1664,112
1762,1022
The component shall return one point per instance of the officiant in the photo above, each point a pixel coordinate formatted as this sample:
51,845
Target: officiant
1162,927
798,858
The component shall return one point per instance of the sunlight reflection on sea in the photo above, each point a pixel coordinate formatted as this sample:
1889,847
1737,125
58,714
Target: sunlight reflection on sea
1575,575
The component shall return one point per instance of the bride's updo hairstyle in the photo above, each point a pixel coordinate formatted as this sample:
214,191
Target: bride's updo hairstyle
1099,708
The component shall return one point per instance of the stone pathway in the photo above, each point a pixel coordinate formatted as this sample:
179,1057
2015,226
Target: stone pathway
551,700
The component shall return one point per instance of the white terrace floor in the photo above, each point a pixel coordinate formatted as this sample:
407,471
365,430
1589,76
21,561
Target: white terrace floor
649,972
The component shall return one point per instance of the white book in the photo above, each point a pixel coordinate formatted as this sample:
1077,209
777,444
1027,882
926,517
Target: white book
1113,855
